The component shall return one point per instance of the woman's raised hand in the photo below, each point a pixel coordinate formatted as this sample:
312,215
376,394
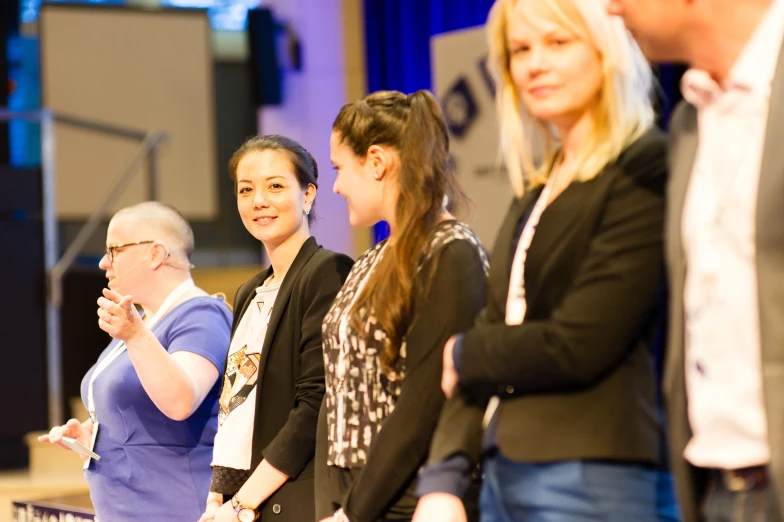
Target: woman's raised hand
117,316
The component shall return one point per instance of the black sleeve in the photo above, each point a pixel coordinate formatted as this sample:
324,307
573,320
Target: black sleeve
455,297
459,430
295,444
611,297
325,508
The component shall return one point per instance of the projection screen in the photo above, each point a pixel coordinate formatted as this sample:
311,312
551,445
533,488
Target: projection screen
148,70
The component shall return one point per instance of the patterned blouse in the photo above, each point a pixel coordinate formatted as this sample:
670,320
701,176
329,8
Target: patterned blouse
359,395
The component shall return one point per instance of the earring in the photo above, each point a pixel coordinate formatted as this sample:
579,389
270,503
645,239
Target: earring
376,175
307,211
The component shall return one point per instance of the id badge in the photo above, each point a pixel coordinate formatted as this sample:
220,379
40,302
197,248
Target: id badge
92,444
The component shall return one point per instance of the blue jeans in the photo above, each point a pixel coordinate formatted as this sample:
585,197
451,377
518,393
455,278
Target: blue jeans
575,491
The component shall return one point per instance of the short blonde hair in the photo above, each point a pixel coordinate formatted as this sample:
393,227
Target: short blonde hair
624,111
165,222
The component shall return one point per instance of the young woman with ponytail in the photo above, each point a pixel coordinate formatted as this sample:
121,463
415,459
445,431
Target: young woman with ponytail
383,336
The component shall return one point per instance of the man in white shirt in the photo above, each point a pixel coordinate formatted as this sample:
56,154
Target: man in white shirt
724,381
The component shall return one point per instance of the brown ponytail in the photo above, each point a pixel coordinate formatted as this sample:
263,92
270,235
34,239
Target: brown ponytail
414,126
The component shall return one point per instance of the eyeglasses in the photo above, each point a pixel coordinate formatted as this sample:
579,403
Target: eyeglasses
111,248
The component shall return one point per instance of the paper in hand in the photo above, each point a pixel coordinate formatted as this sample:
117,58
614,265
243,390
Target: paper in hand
77,446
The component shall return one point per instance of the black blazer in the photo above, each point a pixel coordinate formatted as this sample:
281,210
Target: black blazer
290,386
577,379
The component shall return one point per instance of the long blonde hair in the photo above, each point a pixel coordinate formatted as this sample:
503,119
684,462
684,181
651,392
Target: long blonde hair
624,111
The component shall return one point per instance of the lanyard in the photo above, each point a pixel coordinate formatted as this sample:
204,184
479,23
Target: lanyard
516,305
118,350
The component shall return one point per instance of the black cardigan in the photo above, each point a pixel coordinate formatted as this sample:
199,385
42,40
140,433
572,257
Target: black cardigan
577,379
387,483
291,374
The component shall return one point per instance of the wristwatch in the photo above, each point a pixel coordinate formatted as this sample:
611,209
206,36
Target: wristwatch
244,513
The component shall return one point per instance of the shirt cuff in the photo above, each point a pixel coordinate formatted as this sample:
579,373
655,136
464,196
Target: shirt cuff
457,352
452,476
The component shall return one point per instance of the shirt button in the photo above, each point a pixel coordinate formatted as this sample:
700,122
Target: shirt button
510,389
276,509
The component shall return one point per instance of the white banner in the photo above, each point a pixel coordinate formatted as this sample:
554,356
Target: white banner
462,83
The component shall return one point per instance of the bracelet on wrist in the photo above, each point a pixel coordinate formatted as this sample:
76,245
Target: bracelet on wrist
244,513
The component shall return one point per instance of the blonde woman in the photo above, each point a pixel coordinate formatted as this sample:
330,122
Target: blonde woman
560,370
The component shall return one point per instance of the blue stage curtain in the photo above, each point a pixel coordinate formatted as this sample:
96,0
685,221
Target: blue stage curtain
397,39
397,36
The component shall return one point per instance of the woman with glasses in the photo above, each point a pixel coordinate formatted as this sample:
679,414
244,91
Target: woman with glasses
152,397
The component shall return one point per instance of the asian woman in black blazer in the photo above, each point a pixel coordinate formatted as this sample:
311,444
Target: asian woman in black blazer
274,380
554,389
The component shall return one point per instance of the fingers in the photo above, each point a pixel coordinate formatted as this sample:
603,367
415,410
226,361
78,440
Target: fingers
109,305
449,381
116,304
47,438
449,377
448,349
112,295
106,311
113,310
126,302
104,315
209,513
56,434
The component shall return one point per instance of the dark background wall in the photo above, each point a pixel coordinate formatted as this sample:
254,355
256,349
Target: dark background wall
22,284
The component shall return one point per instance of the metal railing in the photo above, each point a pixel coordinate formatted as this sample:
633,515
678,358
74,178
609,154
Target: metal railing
56,269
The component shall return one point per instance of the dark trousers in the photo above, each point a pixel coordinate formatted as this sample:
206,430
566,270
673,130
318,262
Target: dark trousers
331,492
334,483
755,505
